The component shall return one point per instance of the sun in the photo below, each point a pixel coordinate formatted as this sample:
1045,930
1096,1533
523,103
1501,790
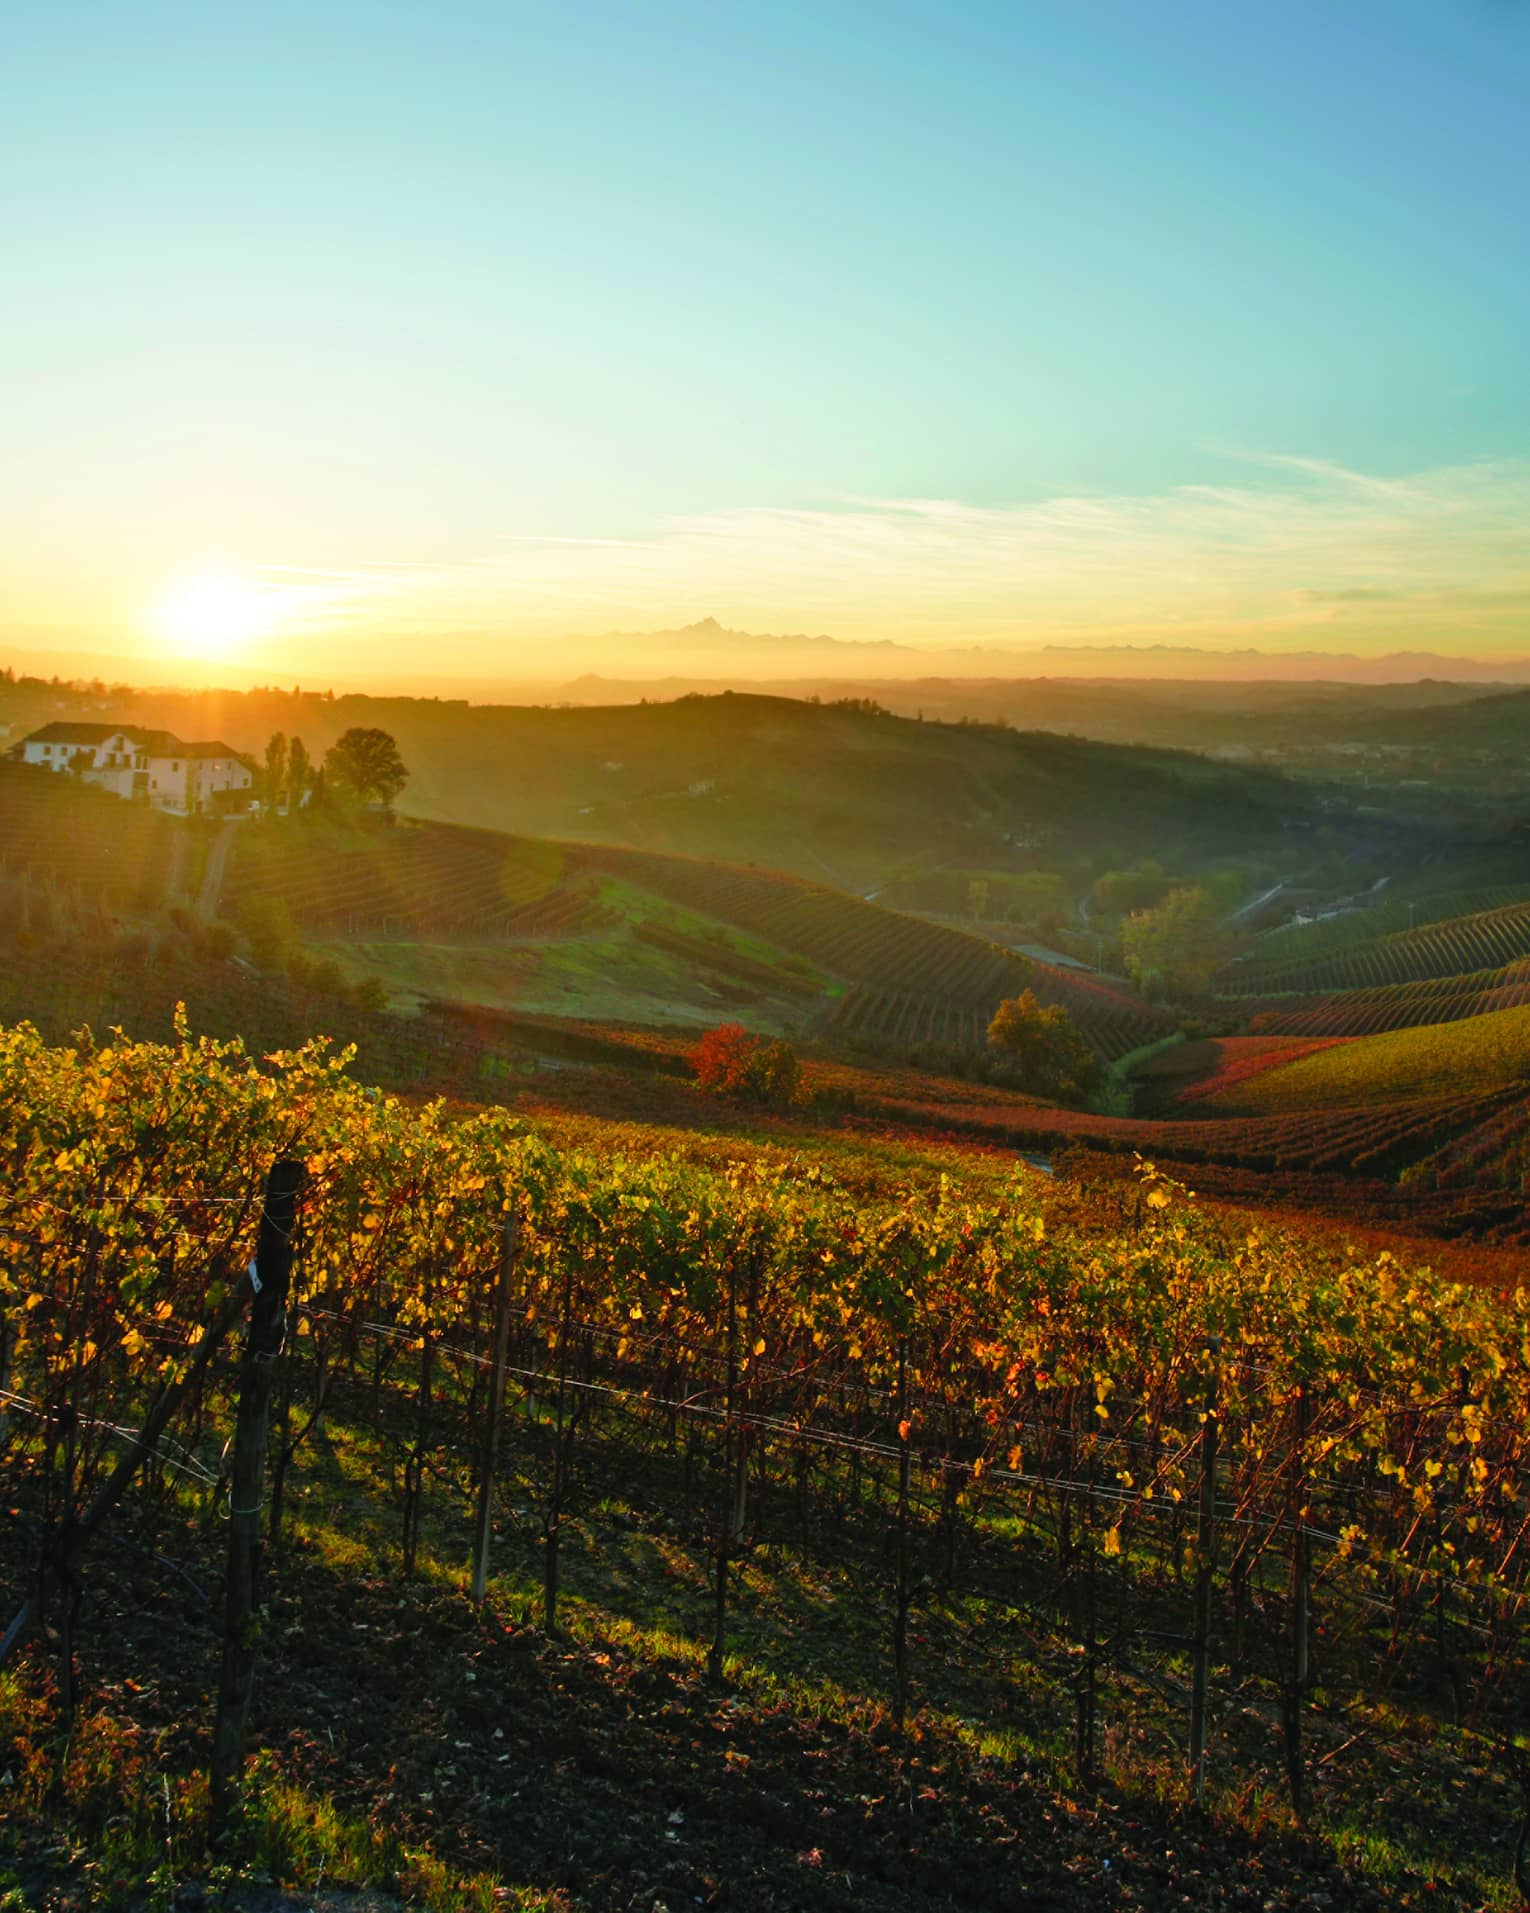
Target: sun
212,615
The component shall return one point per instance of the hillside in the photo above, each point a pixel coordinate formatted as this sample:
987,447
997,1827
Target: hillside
834,791
1397,1006
583,929
1455,946
67,848
1495,722
1475,1055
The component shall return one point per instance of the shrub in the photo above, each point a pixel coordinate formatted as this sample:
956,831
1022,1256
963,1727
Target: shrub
371,993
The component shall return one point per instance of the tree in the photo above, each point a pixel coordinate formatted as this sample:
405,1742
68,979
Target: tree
299,774
1181,941
1118,892
367,764
728,1061
276,769
268,929
1040,1047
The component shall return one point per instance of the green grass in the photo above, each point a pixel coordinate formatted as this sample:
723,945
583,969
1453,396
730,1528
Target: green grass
609,977
1477,1054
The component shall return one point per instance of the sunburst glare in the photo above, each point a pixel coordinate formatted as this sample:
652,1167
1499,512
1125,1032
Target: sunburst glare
213,615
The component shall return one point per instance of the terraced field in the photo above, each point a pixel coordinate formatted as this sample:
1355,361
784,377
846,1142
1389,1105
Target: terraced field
1400,1006
1112,1023
1479,1054
59,833
431,881
916,981
1191,1071
844,935
1460,946
1324,937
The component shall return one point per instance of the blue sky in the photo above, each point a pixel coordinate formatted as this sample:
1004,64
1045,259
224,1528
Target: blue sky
342,289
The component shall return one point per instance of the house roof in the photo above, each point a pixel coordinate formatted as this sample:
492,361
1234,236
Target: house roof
150,743
62,732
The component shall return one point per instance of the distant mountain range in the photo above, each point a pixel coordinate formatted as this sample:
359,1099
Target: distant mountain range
711,656
711,650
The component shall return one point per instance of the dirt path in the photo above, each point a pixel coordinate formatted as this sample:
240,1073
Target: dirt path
212,877
175,874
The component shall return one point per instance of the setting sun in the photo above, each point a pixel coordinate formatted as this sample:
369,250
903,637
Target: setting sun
212,615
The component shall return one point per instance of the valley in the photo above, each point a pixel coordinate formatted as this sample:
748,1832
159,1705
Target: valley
1280,1106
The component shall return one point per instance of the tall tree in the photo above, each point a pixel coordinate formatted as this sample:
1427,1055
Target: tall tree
276,769
299,774
1180,945
367,764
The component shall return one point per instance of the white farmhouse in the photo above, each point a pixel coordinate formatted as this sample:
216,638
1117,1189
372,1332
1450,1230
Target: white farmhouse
155,767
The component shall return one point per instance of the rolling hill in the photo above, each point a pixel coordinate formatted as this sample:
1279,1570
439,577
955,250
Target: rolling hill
841,791
1475,1056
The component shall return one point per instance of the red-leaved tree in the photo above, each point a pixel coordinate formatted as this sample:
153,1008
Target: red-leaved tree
728,1061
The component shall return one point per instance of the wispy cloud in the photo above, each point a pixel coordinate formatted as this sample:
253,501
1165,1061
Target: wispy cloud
1270,559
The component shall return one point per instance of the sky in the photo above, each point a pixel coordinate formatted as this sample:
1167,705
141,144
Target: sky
441,338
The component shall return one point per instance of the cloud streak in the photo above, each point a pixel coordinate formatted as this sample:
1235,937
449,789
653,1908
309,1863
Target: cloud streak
1442,555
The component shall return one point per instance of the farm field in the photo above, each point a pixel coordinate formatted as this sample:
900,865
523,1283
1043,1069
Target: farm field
1112,1020
1459,946
415,882
619,973
1479,1054
86,847
1208,1065
1405,905
832,790
1399,1005
915,980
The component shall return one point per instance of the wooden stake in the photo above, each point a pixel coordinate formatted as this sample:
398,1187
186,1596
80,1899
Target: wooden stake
900,1612
509,1243
728,1510
242,1601
64,1557
1205,1536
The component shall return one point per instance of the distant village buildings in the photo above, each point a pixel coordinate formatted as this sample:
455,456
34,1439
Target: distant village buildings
153,767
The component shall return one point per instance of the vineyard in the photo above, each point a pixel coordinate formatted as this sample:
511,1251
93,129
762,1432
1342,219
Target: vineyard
430,881
80,844
1191,1071
1111,1022
841,934
712,957
1061,1481
1360,1142
1482,1054
917,981
1400,1005
1327,936
1458,947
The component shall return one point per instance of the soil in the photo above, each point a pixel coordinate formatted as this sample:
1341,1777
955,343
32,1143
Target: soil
634,1786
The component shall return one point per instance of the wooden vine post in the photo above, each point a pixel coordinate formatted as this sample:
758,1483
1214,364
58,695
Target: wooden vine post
731,1486
1205,1539
903,1595
242,1602
62,1557
488,1460
1301,1579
